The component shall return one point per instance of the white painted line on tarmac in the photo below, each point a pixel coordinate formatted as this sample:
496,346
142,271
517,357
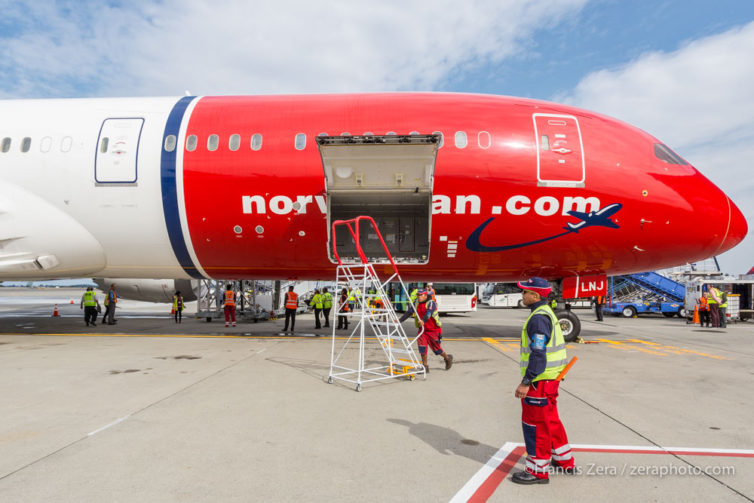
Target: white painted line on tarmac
109,425
468,490
496,470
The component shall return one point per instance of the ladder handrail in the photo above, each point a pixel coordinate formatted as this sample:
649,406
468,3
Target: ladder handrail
355,236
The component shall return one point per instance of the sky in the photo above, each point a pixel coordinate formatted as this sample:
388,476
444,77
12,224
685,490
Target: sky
682,70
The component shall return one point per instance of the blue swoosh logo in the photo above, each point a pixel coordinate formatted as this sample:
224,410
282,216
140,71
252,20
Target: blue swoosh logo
593,219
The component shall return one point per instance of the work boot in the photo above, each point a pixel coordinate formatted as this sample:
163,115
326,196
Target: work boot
524,477
448,362
227,324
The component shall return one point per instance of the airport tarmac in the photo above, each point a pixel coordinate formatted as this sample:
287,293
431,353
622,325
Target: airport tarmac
148,410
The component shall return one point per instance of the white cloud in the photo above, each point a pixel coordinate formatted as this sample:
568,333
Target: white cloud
700,101
237,46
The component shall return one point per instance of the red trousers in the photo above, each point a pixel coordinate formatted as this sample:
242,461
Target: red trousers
230,313
544,434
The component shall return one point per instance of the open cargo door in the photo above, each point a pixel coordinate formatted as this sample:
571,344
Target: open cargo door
388,178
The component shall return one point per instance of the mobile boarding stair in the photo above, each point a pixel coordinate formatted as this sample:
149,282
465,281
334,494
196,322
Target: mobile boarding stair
349,360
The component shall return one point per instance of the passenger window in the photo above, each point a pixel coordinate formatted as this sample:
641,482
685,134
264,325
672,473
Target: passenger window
213,142
300,141
103,144
191,142
484,139
461,140
66,143
413,133
170,143
6,144
235,142
25,144
46,144
256,142
442,138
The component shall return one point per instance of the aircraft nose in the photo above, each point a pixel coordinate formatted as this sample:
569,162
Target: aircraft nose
737,227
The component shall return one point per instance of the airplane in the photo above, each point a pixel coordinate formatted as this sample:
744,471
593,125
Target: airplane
599,218
463,187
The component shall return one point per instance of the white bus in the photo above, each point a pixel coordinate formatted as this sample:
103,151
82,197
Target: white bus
502,295
455,297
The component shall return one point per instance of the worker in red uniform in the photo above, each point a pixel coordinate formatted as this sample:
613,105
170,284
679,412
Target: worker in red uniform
543,356
229,305
427,316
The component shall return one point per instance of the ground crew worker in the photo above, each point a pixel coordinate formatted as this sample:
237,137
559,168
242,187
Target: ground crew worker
90,305
111,300
703,310
723,308
713,299
229,305
291,306
543,356
178,306
599,301
431,292
317,303
427,316
326,306
352,295
343,308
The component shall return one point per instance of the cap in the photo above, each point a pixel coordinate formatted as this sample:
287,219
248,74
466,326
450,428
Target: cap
421,291
536,284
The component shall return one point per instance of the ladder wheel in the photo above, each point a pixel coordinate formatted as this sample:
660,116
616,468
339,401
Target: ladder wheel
358,387
329,380
412,377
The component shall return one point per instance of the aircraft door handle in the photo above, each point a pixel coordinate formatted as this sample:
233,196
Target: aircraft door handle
562,150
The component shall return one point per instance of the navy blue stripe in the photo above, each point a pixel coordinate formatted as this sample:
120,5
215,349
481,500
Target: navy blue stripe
170,191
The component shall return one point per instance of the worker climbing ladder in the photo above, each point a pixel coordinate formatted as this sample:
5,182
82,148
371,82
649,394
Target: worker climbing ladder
349,360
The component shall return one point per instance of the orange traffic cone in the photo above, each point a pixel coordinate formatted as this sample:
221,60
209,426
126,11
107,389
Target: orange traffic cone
71,301
55,311
696,315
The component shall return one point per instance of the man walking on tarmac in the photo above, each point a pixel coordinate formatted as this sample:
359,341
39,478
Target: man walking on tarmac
229,305
426,316
543,356
317,303
90,305
291,305
326,306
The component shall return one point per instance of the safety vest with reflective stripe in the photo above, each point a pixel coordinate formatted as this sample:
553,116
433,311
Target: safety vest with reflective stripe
327,300
291,300
230,298
421,310
89,298
316,301
555,348
713,291
703,306
177,302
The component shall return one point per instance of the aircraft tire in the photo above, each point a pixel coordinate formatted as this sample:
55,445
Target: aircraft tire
569,324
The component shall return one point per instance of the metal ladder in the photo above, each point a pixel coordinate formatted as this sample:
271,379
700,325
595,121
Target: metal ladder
364,287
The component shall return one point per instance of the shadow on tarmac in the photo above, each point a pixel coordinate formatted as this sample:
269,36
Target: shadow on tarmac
447,441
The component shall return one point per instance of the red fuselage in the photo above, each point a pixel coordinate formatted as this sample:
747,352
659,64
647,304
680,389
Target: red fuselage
508,175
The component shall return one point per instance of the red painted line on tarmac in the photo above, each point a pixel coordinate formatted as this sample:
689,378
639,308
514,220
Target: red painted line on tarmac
667,451
488,487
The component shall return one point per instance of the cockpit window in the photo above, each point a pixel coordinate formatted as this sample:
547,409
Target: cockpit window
663,153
